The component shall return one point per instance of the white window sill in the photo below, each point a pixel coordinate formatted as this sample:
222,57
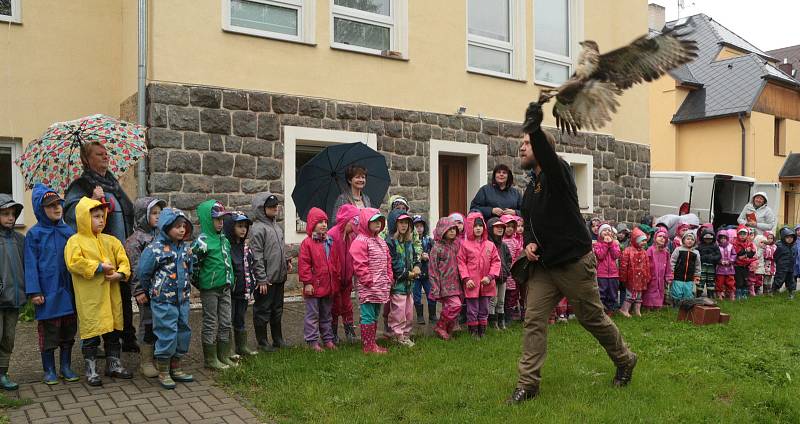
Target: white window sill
546,84
368,52
484,72
10,19
276,37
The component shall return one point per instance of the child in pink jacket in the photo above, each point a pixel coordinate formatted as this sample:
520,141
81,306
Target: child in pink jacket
478,266
443,272
607,251
372,266
769,261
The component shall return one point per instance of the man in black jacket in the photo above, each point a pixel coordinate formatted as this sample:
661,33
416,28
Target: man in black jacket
561,263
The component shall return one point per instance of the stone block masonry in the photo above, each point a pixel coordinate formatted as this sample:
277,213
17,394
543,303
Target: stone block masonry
226,144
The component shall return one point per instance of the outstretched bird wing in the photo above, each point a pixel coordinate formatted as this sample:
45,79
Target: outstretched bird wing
589,102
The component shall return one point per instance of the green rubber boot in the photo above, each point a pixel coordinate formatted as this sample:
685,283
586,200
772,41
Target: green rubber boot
162,364
240,336
224,353
210,360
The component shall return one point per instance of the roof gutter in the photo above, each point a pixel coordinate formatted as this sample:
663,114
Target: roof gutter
744,141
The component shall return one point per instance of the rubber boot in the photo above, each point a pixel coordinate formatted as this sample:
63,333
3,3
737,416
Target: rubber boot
261,339
492,321
637,309
224,353
711,294
368,344
146,367
177,373
210,360
481,330
441,330
49,365
432,313
350,333
65,363
90,361
114,366
501,321
473,331
240,337
420,314
335,328
624,310
5,381
277,335
164,378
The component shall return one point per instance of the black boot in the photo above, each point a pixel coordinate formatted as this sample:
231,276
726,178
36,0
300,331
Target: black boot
114,366
462,316
261,338
624,373
432,312
350,333
501,321
492,321
420,314
90,360
277,334
521,395
481,330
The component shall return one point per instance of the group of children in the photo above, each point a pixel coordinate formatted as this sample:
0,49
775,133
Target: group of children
644,268
72,278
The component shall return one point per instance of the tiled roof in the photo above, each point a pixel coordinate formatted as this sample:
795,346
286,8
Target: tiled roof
729,86
791,166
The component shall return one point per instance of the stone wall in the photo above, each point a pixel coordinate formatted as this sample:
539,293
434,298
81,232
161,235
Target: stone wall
227,144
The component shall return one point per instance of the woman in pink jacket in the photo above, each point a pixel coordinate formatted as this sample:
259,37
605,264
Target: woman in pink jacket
660,271
343,234
478,266
607,251
372,266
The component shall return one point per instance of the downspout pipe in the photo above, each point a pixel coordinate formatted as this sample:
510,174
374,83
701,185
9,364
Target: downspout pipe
744,142
141,95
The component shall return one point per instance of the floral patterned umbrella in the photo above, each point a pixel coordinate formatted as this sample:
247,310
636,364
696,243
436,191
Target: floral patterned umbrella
54,158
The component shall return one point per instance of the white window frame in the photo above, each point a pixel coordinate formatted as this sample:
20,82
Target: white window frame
477,169
17,182
583,167
16,13
306,21
294,136
515,47
397,22
576,16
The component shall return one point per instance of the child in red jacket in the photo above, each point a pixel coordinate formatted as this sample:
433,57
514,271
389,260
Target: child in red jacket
318,275
478,265
634,272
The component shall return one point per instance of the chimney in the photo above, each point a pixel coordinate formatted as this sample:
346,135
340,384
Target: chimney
786,67
656,16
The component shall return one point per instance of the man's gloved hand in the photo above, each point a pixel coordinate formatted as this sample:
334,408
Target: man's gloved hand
533,118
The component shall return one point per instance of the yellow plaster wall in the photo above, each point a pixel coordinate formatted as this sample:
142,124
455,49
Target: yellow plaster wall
189,46
728,52
710,146
665,97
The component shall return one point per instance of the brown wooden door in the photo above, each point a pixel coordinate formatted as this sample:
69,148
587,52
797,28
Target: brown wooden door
452,185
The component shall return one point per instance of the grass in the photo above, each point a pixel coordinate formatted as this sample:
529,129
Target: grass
745,371
8,403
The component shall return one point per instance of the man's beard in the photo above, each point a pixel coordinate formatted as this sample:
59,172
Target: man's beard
528,164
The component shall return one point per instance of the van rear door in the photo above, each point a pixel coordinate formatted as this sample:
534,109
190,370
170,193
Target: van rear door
730,197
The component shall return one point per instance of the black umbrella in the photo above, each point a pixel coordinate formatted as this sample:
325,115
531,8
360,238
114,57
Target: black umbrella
322,179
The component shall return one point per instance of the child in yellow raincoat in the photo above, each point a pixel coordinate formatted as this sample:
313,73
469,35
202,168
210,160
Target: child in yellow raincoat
98,265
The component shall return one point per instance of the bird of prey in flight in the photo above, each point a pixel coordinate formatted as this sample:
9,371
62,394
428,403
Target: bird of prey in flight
588,98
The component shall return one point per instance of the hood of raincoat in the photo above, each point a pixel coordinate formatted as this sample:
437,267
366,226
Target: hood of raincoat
786,231
769,233
742,228
420,219
315,216
457,217
490,227
605,227
469,225
83,215
442,227
637,233
229,225
167,217
665,233
6,201
622,227
364,216
47,225
141,212
258,206
723,233
705,231
345,214
762,194
398,198
391,224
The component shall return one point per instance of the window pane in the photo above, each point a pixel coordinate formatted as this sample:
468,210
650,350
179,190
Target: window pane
5,168
552,26
360,34
380,7
263,17
551,72
490,19
5,7
489,59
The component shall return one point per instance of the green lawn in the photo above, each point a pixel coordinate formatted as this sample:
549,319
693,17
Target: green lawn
745,371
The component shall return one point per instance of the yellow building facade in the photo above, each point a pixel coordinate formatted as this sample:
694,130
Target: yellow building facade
72,59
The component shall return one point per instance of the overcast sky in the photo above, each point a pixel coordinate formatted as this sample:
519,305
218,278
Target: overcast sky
767,24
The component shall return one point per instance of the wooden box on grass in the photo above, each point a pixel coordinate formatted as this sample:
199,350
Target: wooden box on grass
700,315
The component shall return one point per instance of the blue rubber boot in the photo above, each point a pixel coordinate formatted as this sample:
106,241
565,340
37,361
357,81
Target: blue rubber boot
49,365
65,361
6,382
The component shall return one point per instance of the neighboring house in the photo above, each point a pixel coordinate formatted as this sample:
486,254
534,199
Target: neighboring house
242,92
788,60
731,111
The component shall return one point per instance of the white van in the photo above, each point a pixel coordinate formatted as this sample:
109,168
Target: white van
715,198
